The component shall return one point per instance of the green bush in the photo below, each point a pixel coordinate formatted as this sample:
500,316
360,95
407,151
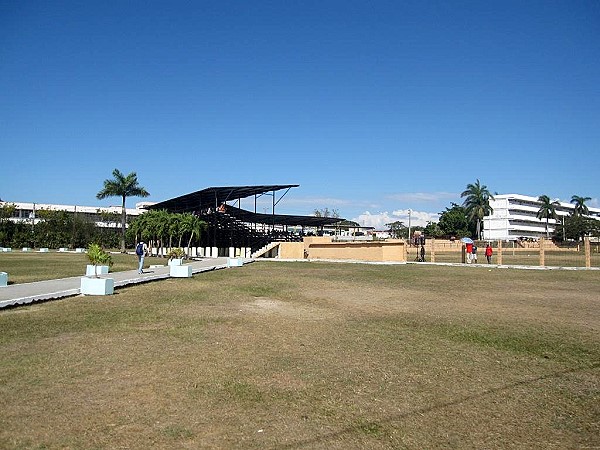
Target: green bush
98,257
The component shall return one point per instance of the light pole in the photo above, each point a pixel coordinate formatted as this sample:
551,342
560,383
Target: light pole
409,213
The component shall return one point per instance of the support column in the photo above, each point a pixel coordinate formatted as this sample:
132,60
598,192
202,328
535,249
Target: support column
499,252
432,240
542,252
588,253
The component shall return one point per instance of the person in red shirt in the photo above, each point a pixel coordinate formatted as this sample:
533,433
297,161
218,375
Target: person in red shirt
469,253
488,253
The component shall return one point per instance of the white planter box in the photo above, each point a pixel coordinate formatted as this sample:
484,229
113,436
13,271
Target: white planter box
62,249
25,249
184,271
97,286
3,279
235,262
80,250
7,249
44,250
100,270
176,262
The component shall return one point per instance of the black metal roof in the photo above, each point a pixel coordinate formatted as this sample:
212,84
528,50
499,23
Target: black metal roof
212,197
280,219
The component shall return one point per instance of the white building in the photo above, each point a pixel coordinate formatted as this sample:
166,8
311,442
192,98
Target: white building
515,216
28,212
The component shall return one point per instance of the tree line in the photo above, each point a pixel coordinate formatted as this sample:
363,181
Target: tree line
161,229
466,220
56,229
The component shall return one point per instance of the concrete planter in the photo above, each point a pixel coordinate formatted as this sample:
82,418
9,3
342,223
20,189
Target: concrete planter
235,262
175,262
100,270
3,279
97,286
183,271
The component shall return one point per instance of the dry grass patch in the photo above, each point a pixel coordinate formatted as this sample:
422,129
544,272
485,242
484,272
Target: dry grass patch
304,355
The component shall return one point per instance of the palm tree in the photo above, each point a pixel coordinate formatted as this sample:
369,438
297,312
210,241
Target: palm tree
174,229
160,221
193,225
477,203
122,186
581,208
547,210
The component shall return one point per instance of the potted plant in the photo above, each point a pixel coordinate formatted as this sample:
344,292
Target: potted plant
176,267
101,262
93,284
176,257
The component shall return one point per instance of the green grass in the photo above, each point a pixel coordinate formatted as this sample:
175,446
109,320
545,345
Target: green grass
32,266
310,355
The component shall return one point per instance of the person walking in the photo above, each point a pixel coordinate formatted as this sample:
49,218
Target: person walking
474,255
141,249
488,253
469,247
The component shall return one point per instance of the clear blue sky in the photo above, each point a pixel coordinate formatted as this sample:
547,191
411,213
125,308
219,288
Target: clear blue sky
373,107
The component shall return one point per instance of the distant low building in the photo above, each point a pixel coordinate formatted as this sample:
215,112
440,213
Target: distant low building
515,217
381,234
29,212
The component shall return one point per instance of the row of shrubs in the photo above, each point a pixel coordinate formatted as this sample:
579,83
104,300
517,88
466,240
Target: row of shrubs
68,231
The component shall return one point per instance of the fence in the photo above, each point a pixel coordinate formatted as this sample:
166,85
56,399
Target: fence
540,253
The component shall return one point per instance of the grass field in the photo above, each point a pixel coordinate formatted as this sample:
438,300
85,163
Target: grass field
32,266
310,355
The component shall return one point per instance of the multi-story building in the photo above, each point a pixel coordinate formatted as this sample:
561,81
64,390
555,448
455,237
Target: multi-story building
515,216
29,212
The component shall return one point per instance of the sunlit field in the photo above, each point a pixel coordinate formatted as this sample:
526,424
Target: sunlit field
310,355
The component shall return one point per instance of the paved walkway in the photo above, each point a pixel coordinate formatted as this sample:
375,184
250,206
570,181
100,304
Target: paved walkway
18,294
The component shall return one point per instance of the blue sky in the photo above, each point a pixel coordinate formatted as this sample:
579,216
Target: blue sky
373,107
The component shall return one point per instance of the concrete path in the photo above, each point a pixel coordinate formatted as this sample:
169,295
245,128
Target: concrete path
18,294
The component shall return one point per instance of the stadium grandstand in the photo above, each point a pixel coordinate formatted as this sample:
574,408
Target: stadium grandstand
231,226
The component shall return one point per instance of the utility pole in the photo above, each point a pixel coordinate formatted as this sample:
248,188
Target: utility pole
409,213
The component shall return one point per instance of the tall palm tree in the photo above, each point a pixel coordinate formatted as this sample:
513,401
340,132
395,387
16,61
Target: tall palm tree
122,186
581,208
547,210
477,203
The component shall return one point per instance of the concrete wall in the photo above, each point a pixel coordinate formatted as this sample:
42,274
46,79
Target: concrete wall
362,251
324,248
296,250
291,250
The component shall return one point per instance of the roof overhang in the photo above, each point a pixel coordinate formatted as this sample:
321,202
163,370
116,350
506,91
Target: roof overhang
212,197
281,219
